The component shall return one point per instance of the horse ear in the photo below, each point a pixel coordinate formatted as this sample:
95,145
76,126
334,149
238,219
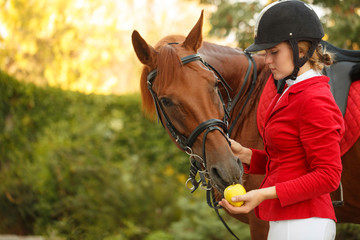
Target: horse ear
194,39
145,53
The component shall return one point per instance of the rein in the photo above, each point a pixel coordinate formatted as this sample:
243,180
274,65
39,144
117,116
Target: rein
237,97
198,164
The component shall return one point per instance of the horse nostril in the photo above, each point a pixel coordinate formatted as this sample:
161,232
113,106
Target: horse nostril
215,172
216,175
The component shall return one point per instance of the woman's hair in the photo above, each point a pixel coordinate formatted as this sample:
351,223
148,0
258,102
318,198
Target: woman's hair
319,59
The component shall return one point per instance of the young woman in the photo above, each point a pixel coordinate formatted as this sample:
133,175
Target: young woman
303,128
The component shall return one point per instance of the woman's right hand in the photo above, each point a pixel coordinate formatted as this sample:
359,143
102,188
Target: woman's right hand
243,153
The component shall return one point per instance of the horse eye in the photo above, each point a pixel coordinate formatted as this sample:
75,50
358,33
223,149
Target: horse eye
166,102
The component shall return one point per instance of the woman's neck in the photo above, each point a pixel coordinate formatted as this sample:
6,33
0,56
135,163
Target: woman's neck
306,67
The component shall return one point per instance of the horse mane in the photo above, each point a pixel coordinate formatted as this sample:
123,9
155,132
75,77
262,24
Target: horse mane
168,65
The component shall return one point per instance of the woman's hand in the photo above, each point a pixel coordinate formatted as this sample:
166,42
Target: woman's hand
251,200
243,153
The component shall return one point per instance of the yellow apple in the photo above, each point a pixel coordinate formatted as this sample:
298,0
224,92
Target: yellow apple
232,191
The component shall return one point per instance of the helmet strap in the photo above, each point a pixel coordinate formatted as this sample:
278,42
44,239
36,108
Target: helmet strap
298,62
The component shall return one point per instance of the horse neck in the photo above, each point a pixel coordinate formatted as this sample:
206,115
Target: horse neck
232,65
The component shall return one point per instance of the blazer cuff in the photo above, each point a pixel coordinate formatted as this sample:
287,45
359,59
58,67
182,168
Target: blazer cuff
258,162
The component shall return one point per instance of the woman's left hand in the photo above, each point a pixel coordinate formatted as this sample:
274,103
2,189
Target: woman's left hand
251,200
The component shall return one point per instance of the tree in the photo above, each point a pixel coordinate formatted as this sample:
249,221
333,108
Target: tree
341,20
84,45
61,42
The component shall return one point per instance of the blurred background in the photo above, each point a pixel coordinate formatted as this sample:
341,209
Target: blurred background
78,159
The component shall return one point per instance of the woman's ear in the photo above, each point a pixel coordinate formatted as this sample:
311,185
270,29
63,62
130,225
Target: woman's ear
304,47
301,53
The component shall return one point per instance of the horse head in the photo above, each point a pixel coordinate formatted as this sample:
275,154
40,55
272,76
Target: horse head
183,90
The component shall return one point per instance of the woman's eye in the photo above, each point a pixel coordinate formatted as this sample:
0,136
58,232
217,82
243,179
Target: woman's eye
273,52
166,102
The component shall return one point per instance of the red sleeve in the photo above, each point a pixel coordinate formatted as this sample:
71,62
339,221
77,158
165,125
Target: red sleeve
258,162
321,128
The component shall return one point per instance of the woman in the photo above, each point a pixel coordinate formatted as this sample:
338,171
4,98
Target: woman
303,127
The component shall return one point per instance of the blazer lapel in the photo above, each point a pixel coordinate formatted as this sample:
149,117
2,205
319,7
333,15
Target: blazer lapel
277,103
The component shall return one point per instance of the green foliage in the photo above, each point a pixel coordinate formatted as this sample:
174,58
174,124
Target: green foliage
341,20
159,235
91,167
199,223
347,231
235,18
69,159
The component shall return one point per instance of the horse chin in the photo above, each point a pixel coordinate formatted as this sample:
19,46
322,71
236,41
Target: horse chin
218,182
217,194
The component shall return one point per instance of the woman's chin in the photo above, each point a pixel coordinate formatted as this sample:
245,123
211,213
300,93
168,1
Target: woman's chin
278,76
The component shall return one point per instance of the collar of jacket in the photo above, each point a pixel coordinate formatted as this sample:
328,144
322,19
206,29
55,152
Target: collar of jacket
296,88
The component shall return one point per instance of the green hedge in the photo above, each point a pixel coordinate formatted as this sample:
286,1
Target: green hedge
93,167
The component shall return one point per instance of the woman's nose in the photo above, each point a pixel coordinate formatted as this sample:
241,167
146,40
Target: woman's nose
268,59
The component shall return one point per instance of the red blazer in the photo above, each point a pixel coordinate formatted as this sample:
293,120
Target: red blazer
301,159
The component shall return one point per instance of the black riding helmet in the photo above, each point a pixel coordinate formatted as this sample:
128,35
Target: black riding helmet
291,21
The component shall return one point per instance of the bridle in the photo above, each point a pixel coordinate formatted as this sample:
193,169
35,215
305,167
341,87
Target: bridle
185,142
198,164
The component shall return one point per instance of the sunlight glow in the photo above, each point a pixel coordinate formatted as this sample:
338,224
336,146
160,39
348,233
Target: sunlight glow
85,45
3,31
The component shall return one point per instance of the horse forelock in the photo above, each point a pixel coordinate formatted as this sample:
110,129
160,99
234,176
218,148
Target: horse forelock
168,66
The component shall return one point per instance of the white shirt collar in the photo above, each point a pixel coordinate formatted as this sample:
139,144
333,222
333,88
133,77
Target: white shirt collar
306,75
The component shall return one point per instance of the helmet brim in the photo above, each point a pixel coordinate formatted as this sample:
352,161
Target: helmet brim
258,47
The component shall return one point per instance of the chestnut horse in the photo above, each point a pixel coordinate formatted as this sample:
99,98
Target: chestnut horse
183,88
